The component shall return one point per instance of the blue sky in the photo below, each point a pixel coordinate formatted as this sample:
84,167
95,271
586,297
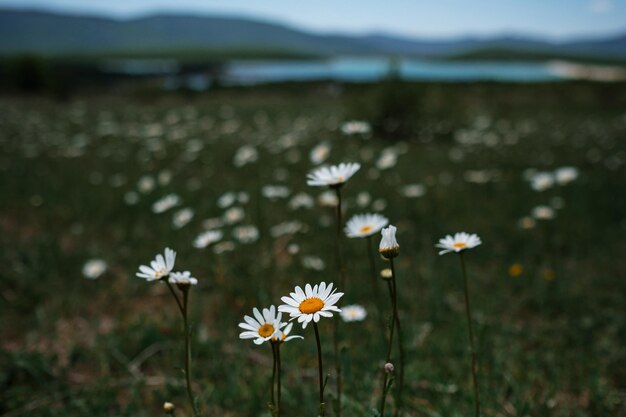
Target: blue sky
556,19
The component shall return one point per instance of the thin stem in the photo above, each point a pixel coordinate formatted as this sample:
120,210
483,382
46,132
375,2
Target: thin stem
370,255
342,282
272,403
399,333
180,306
394,320
471,339
320,368
185,310
278,404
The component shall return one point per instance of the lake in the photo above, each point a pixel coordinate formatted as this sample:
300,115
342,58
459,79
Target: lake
373,69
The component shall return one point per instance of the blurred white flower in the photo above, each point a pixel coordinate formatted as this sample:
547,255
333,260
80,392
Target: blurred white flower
356,127
320,153
527,222
542,181
379,204
566,175
388,159
543,213
335,175
164,177
457,243
313,262
353,313
182,217
223,247
274,192
93,268
246,234
226,200
204,239
131,198
363,199
212,223
245,155
287,228
328,199
166,203
146,184
363,225
301,200
413,190
234,215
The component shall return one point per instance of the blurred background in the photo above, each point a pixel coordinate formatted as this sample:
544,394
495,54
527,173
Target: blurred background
129,126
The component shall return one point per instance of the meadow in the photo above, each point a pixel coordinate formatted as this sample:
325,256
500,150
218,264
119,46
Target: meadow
97,185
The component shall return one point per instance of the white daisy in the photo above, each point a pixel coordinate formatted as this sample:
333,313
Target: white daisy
261,327
281,336
362,225
312,303
334,175
160,267
458,243
182,278
353,312
389,246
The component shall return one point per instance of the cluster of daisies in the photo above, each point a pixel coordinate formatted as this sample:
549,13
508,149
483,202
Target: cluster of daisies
311,303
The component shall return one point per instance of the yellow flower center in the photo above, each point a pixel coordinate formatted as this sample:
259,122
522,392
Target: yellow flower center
459,245
340,178
311,305
266,330
366,229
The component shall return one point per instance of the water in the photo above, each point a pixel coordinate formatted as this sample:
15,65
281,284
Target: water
373,69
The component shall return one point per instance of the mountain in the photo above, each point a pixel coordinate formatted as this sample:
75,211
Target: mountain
53,34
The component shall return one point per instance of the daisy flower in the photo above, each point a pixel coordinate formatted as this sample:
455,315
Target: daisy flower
159,268
281,336
182,278
312,303
389,246
204,239
332,176
458,243
363,225
261,327
353,312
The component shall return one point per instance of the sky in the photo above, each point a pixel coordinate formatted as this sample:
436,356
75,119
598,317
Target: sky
555,19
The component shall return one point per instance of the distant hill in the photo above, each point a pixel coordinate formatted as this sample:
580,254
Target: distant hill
58,34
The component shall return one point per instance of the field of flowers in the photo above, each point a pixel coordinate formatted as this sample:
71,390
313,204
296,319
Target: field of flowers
95,187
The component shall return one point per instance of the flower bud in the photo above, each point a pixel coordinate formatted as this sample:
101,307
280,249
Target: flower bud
168,407
386,273
389,247
389,368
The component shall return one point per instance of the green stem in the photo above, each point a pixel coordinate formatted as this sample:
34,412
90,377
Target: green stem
471,339
278,405
342,283
370,255
400,345
394,320
320,368
272,403
185,310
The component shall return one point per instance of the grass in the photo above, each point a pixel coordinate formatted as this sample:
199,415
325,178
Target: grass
550,342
